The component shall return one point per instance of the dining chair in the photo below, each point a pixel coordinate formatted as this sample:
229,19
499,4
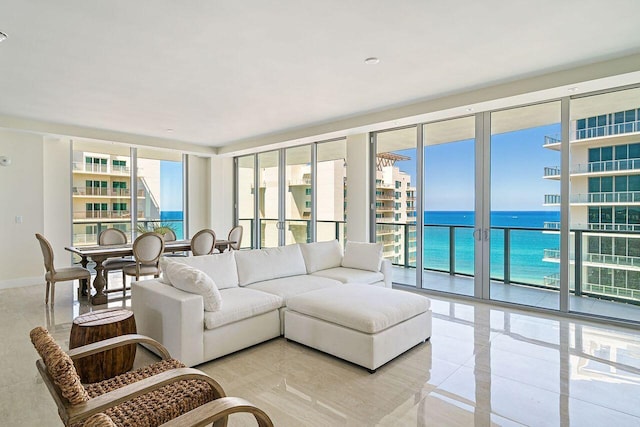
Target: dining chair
113,236
147,250
169,235
54,275
203,242
235,235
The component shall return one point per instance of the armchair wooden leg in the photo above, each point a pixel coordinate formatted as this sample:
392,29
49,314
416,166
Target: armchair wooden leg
46,292
53,292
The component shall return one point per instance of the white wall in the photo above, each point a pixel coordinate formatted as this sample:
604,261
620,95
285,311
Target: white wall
358,188
22,194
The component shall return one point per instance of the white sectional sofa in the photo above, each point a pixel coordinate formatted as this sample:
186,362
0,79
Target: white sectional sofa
254,287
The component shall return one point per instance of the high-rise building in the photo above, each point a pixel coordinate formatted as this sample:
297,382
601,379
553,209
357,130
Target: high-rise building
604,202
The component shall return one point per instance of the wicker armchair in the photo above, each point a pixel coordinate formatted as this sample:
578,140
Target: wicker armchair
163,392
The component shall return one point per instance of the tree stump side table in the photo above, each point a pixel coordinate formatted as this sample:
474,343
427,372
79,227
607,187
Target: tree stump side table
97,326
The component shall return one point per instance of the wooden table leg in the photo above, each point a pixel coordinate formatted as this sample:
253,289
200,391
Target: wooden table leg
98,283
84,283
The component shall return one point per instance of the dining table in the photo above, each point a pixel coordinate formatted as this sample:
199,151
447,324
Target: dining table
100,253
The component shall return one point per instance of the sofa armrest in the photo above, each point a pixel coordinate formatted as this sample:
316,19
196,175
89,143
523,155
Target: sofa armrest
386,268
172,317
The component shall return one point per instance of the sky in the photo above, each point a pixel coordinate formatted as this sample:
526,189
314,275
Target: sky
170,186
517,166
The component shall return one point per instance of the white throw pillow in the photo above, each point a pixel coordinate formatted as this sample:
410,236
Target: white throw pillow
192,280
321,255
363,256
220,267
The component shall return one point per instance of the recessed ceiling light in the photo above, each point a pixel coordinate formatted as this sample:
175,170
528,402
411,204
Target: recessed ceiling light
469,109
169,130
372,60
3,36
572,89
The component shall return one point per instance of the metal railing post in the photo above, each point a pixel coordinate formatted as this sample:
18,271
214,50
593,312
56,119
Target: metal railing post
578,262
507,256
337,230
406,244
452,250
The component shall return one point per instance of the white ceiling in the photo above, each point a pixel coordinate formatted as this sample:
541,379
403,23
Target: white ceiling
219,72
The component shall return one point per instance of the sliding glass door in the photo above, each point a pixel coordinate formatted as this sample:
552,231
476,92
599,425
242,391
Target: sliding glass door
525,205
269,181
449,206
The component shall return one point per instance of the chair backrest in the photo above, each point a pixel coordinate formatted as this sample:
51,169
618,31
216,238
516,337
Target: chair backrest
47,253
169,235
112,236
203,242
235,235
148,248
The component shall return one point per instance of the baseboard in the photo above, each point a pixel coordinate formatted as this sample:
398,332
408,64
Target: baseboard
21,282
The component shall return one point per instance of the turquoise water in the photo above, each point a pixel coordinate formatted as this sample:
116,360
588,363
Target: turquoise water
527,246
176,220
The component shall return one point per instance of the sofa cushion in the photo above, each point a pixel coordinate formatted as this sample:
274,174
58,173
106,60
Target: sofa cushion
365,308
239,304
351,275
265,264
321,255
363,256
286,287
194,281
220,267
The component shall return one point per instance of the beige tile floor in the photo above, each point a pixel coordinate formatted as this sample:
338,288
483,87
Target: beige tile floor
483,366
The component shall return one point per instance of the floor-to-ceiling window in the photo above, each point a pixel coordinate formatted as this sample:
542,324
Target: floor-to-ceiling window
449,205
101,190
245,200
298,201
292,205
160,197
105,191
605,204
269,223
395,200
331,190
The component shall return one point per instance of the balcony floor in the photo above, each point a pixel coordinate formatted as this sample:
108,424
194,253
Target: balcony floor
518,294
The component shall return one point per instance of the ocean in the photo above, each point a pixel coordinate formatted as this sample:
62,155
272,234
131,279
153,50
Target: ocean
175,219
527,246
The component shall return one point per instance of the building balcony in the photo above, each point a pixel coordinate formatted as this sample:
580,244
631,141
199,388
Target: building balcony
608,130
299,182
551,255
81,167
622,197
551,199
552,172
104,192
551,225
616,260
104,214
606,167
385,197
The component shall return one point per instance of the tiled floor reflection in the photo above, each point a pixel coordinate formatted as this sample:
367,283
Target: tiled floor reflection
483,366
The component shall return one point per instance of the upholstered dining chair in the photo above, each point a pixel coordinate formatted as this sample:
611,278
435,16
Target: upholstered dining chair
113,236
203,242
53,274
169,235
147,250
164,393
235,235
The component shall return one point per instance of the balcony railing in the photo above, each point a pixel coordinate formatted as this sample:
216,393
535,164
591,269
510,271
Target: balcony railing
608,130
552,171
609,197
100,168
106,214
84,238
551,199
607,166
551,225
621,260
548,140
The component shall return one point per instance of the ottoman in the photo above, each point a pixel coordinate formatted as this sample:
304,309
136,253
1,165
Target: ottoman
364,324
